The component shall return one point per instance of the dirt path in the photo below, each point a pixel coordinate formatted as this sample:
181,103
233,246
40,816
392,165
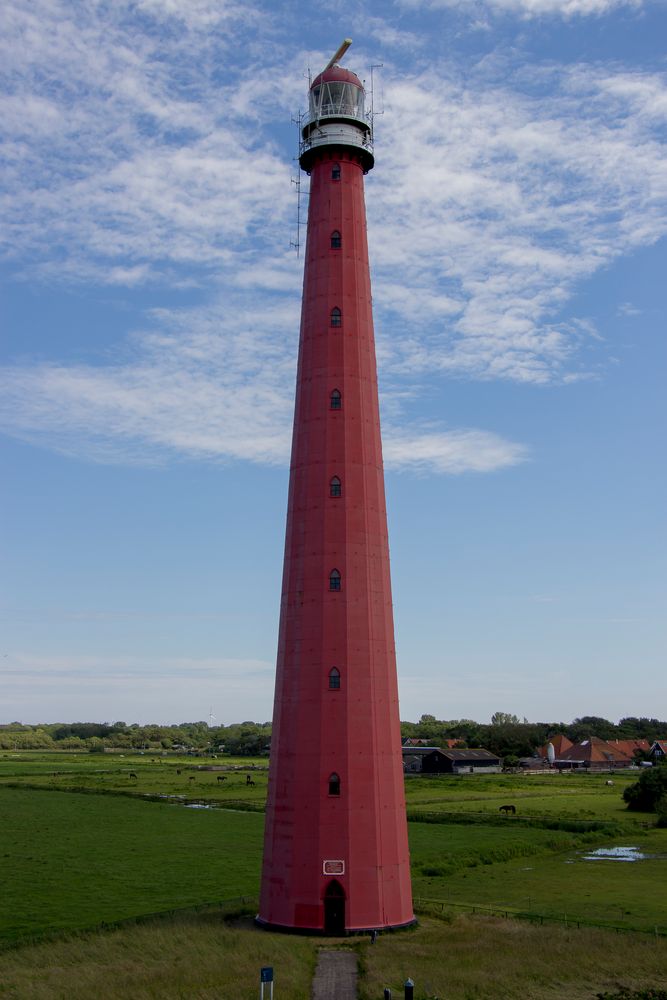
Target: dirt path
335,976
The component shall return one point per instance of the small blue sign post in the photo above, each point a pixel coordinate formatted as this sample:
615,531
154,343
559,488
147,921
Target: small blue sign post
266,976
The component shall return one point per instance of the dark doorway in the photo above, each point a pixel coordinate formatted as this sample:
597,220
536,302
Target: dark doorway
334,908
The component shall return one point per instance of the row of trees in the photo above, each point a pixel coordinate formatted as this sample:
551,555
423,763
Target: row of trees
509,736
243,738
506,734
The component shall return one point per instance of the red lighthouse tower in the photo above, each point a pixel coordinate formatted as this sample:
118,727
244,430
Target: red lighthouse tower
335,849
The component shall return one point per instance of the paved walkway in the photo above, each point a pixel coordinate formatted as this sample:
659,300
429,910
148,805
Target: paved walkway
335,976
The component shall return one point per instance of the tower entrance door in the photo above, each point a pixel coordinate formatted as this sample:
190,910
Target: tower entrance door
334,908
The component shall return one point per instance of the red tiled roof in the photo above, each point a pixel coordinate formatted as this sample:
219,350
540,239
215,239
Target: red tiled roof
629,746
596,750
560,744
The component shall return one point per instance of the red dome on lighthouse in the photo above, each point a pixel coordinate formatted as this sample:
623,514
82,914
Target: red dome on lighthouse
336,74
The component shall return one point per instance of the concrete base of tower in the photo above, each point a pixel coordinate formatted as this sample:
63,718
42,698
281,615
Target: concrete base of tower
321,932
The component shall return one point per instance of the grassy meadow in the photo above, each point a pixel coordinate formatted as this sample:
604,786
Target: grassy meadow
203,956
92,839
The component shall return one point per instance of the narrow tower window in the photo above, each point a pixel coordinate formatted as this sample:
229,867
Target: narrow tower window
334,784
335,488
334,580
336,400
336,317
335,172
334,679
336,240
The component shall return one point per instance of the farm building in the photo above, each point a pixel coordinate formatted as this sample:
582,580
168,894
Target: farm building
559,742
658,750
434,760
596,754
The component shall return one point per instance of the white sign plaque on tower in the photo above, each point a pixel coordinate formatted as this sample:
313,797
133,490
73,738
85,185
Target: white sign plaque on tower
333,867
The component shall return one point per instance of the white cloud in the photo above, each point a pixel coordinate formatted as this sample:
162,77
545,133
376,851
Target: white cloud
493,202
451,452
130,160
534,8
204,386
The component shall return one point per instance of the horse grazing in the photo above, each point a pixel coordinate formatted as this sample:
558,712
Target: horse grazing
222,777
507,810
133,775
191,778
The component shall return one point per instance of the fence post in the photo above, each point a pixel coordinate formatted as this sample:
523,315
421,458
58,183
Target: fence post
409,988
387,994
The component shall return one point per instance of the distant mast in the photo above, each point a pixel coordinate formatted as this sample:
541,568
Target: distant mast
336,849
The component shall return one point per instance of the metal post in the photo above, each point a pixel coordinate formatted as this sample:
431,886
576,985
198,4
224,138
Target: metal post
409,989
387,993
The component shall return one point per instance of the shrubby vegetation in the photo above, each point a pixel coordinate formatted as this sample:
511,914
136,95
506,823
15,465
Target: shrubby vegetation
506,734
649,794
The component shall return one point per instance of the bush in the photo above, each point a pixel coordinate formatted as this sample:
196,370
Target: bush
646,794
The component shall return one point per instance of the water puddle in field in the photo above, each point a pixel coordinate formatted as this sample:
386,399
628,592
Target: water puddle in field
616,854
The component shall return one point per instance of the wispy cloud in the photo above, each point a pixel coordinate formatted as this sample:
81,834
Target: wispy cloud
499,200
534,8
131,159
451,452
203,387
159,688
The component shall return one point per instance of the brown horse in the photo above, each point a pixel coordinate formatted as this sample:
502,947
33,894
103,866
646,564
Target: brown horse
508,809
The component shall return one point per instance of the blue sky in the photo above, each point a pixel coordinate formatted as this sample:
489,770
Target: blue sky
150,309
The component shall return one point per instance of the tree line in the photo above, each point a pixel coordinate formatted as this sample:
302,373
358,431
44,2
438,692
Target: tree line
506,734
509,736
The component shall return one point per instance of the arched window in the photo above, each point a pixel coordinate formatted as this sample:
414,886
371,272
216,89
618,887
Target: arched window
336,400
335,172
336,316
336,240
334,679
334,784
334,580
335,488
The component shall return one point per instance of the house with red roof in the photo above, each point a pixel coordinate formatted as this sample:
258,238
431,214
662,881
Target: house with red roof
595,754
559,742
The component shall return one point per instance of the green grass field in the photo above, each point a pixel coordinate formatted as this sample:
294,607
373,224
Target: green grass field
551,796
71,861
188,778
